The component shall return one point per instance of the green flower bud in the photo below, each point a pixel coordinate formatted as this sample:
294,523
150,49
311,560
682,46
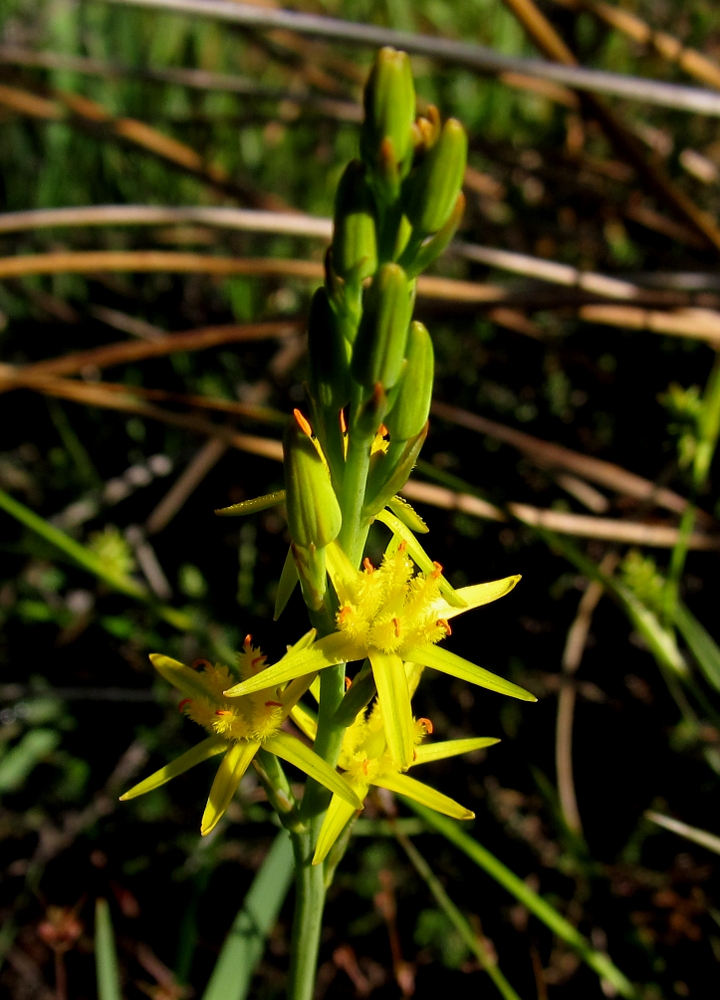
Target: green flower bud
354,239
389,471
411,405
433,188
379,349
389,111
313,511
328,354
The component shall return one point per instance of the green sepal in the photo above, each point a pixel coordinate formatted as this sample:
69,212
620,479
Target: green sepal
252,506
408,515
310,567
432,189
379,349
389,471
354,236
413,394
287,583
313,511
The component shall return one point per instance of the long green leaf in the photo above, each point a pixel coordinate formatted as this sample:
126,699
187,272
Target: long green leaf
701,644
89,560
106,963
244,944
598,962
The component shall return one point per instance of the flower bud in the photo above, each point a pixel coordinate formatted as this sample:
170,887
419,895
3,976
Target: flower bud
354,239
433,188
313,511
328,354
379,349
389,101
411,405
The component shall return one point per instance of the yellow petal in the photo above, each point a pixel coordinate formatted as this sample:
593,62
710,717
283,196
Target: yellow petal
403,784
232,767
407,514
476,596
196,755
304,721
190,682
294,692
420,556
334,648
456,666
342,573
394,698
338,814
294,752
451,748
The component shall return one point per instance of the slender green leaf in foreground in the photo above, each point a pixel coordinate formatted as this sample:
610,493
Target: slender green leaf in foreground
701,644
694,833
106,963
244,944
87,559
471,939
599,962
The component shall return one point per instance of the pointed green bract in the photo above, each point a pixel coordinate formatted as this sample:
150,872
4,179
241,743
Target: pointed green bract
294,752
394,698
253,506
403,784
456,666
232,767
451,748
195,755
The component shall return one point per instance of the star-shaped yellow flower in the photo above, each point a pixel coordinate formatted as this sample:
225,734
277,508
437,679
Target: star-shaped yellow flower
366,761
239,728
392,614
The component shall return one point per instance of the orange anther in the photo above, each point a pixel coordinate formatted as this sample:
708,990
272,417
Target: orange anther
396,623
223,711
201,663
348,682
383,431
402,546
443,623
365,765
183,703
303,423
273,704
345,613
428,725
437,571
343,422
247,641
368,566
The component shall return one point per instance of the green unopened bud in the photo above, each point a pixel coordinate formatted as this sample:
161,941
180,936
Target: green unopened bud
389,112
313,511
433,189
411,405
328,354
354,238
379,349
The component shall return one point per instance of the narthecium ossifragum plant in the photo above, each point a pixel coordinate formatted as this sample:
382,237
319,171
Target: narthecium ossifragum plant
346,459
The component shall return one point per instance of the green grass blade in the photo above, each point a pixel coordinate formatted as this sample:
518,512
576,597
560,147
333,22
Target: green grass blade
19,763
701,644
599,962
106,963
88,560
244,944
476,946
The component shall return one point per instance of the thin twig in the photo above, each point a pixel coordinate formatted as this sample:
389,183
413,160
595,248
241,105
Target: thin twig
572,656
548,455
475,57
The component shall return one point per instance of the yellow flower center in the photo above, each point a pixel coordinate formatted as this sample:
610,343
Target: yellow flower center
393,606
254,716
364,754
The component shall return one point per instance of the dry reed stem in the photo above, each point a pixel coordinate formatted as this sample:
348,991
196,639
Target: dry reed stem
548,455
187,482
689,322
551,44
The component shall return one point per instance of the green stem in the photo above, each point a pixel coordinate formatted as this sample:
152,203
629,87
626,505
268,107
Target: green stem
353,532
307,920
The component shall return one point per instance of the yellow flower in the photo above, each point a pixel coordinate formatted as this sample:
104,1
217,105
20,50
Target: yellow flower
392,614
366,761
238,728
